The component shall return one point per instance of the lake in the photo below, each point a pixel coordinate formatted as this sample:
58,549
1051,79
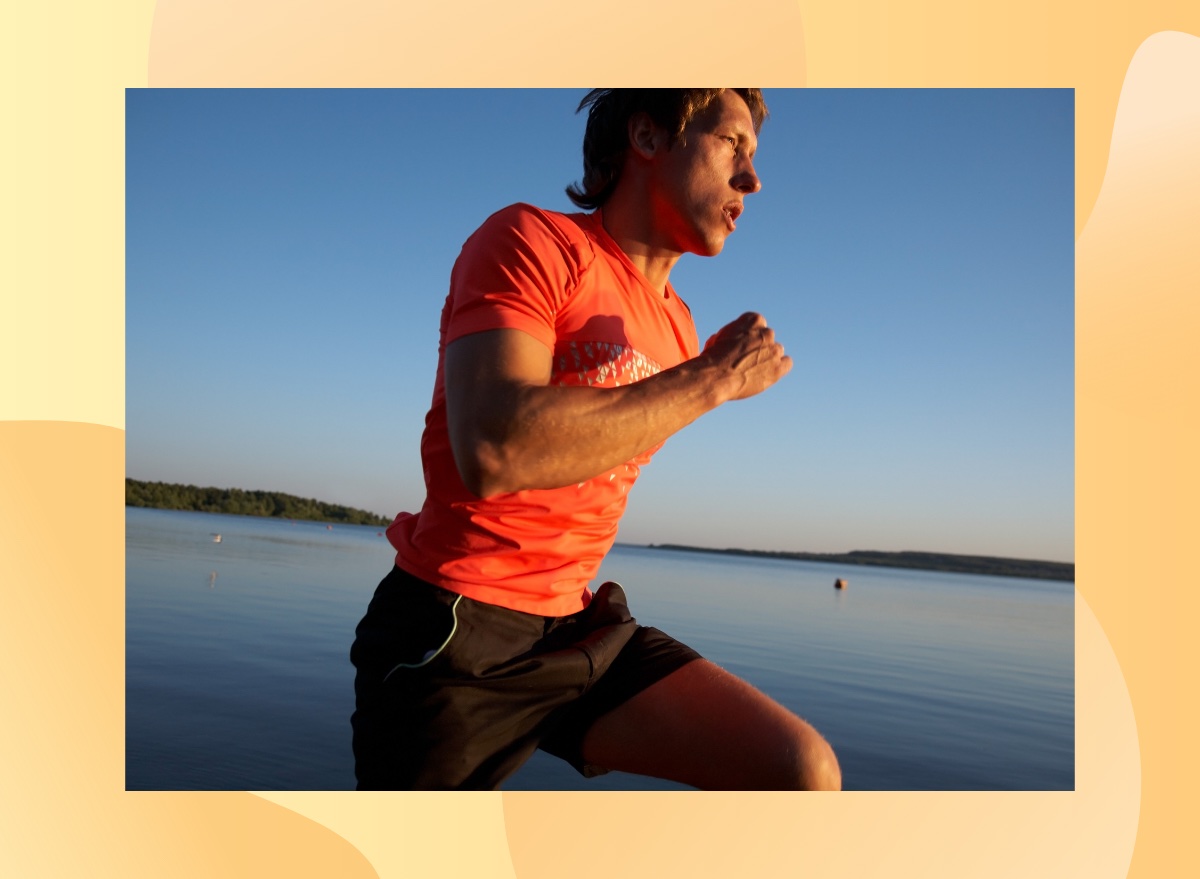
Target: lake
238,674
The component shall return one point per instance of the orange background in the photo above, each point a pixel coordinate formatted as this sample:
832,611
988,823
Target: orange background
1136,72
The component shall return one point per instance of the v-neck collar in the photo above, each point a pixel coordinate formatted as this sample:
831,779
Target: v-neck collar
596,224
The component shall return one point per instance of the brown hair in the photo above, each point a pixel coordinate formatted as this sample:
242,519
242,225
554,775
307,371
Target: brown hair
606,137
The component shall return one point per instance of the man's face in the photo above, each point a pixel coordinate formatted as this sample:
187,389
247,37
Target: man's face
700,184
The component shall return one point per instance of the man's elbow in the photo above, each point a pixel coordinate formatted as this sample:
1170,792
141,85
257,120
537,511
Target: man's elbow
484,470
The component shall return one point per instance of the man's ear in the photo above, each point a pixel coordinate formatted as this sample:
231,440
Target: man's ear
645,138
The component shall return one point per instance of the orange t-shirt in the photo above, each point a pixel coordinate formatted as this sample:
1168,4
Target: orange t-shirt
563,280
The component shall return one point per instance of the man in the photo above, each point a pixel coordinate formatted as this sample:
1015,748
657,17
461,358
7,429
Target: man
566,360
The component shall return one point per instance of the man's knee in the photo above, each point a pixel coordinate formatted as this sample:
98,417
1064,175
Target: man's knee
815,766
820,770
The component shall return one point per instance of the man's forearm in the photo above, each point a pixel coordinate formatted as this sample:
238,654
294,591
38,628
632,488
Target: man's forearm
510,429
532,437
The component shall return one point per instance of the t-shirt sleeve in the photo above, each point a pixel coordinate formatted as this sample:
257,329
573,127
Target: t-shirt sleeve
516,272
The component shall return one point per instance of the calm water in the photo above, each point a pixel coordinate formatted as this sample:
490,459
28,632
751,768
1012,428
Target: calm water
238,677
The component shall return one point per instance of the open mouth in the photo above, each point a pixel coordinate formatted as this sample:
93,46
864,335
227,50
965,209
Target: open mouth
732,212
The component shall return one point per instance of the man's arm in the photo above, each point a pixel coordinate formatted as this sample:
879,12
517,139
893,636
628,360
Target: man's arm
511,430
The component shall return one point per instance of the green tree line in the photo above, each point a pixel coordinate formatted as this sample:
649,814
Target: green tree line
240,502
925,561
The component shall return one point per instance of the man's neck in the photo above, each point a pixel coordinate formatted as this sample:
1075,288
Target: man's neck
630,223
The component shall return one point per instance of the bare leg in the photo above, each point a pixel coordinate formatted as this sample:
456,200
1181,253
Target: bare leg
705,727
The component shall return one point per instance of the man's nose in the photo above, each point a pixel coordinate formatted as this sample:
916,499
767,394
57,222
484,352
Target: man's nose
746,180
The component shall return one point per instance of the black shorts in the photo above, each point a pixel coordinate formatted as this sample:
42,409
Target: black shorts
453,693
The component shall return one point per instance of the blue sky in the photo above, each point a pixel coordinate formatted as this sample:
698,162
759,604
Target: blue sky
288,254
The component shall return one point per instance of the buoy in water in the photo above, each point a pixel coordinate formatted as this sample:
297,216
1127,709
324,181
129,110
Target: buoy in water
839,583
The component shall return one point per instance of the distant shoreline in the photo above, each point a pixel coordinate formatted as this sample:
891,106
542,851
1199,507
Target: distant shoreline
240,502
277,505
926,561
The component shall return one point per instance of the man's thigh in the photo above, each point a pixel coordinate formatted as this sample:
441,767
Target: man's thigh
705,727
649,656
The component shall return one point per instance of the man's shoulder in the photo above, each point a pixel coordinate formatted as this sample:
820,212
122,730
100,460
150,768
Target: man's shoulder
540,230
527,216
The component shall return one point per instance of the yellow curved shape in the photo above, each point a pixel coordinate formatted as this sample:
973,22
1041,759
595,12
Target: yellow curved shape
434,835
1138,405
